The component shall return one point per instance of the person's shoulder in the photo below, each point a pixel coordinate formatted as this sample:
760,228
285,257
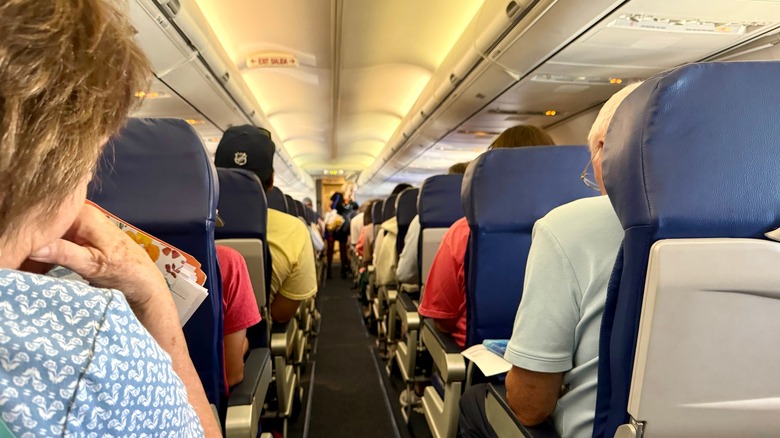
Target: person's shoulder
578,211
227,253
578,220
25,287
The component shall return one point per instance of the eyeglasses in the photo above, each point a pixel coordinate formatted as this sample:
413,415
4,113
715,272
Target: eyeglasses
587,177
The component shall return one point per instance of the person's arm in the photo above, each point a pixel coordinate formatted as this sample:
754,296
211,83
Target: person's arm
299,285
532,395
235,345
444,298
101,253
284,309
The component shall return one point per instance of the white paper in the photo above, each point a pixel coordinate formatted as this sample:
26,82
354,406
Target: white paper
188,296
488,362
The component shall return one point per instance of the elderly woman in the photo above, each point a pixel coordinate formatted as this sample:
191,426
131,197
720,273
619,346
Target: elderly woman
79,359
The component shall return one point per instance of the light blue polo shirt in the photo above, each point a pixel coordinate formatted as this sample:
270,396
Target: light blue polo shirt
558,322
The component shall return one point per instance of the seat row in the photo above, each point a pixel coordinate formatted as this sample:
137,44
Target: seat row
686,334
161,180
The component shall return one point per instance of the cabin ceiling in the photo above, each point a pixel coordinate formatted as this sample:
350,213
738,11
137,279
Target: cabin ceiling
362,65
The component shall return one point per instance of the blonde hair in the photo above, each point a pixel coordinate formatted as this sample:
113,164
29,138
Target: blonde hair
347,185
599,129
69,72
522,135
458,168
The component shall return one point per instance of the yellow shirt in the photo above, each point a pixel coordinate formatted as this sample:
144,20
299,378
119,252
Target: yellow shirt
292,257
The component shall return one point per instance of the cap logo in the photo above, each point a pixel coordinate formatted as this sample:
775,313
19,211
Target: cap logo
240,158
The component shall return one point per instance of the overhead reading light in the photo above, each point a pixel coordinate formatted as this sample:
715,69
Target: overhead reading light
524,113
195,121
477,133
677,25
272,60
151,95
577,80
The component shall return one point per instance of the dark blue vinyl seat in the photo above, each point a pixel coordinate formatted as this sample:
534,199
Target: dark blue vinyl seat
244,210
277,200
388,208
299,209
376,215
691,153
505,192
439,206
290,202
156,175
405,211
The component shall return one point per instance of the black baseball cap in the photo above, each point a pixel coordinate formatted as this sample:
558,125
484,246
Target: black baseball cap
247,147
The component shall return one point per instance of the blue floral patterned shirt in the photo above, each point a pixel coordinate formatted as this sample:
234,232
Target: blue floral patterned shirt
75,361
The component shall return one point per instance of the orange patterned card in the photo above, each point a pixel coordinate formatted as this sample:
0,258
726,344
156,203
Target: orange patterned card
171,261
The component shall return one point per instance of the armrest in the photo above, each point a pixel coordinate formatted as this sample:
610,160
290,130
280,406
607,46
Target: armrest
247,398
444,340
282,335
407,311
257,373
444,351
503,420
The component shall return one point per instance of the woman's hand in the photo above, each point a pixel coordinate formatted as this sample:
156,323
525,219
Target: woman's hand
96,249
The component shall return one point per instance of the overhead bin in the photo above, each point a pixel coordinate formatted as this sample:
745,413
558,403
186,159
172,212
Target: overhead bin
175,37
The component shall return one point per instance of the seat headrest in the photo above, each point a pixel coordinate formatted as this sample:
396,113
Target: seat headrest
242,205
299,209
510,189
152,187
388,208
406,206
693,152
438,203
276,200
290,202
376,212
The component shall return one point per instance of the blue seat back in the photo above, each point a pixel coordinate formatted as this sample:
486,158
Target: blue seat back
277,200
156,175
299,210
505,192
683,161
405,211
388,208
290,202
376,214
242,205
439,206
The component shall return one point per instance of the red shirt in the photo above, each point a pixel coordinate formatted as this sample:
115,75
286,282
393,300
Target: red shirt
444,296
238,298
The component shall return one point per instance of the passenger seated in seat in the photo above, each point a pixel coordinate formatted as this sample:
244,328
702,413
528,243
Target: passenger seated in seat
444,299
239,309
407,261
293,277
69,73
555,340
385,252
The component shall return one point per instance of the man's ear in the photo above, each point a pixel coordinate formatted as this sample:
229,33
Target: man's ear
271,179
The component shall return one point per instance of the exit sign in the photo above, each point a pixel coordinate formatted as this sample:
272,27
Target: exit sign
271,59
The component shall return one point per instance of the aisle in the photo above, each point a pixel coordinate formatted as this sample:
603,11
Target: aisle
348,397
